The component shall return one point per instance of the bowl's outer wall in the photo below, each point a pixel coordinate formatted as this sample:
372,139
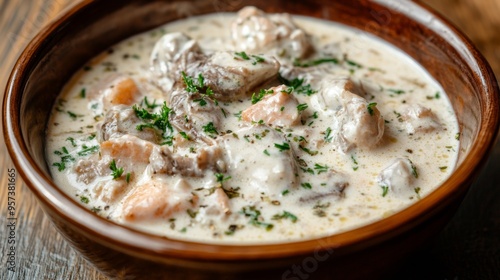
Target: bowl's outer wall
91,27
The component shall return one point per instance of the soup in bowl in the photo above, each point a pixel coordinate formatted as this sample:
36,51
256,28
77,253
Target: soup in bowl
249,143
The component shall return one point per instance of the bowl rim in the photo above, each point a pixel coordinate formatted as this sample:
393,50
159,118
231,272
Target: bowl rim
134,242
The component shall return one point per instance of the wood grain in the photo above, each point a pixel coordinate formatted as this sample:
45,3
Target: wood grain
469,248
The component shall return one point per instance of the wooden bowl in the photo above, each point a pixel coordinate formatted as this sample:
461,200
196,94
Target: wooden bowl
92,26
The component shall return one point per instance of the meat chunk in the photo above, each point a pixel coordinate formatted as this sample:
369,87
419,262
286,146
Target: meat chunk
172,54
156,199
128,150
233,77
272,172
229,76
278,108
216,205
256,32
116,90
121,120
334,93
190,165
356,122
399,177
330,185
88,169
110,191
418,118
193,112
361,124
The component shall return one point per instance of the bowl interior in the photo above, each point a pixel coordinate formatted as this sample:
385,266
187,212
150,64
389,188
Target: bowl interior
92,26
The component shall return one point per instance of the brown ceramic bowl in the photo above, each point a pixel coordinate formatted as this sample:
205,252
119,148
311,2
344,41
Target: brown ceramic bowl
90,27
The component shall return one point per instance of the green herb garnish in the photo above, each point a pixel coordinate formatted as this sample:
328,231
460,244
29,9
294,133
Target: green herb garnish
385,190
370,107
306,185
84,199
155,120
413,169
256,97
282,147
210,129
327,137
255,217
83,93
88,150
312,153
315,62
320,168
72,141
285,215
302,107
115,171
184,135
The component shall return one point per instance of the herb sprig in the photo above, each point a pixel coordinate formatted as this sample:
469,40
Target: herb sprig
115,171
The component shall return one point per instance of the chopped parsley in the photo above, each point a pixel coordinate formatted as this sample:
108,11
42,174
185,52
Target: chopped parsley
282,147
231,192
319,209
353,63
72,141
189,82
115,171
297,85
232,229
155,120
60,165
315,62
302,107
72,115
210,129
244,56
184,135
255,217
192,213
306,185
312,153
385,190
83,93
320,168
266,152
370,107
65,158
150,105
84,199
328,132
256,97
397,91
88,150
417,191
285,215
355,162
199,87
413,169
220,178
238,115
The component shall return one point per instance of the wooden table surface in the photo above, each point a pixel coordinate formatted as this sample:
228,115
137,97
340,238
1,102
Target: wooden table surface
468,248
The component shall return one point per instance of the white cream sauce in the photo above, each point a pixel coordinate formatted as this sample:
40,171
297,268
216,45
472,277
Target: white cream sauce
301,193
